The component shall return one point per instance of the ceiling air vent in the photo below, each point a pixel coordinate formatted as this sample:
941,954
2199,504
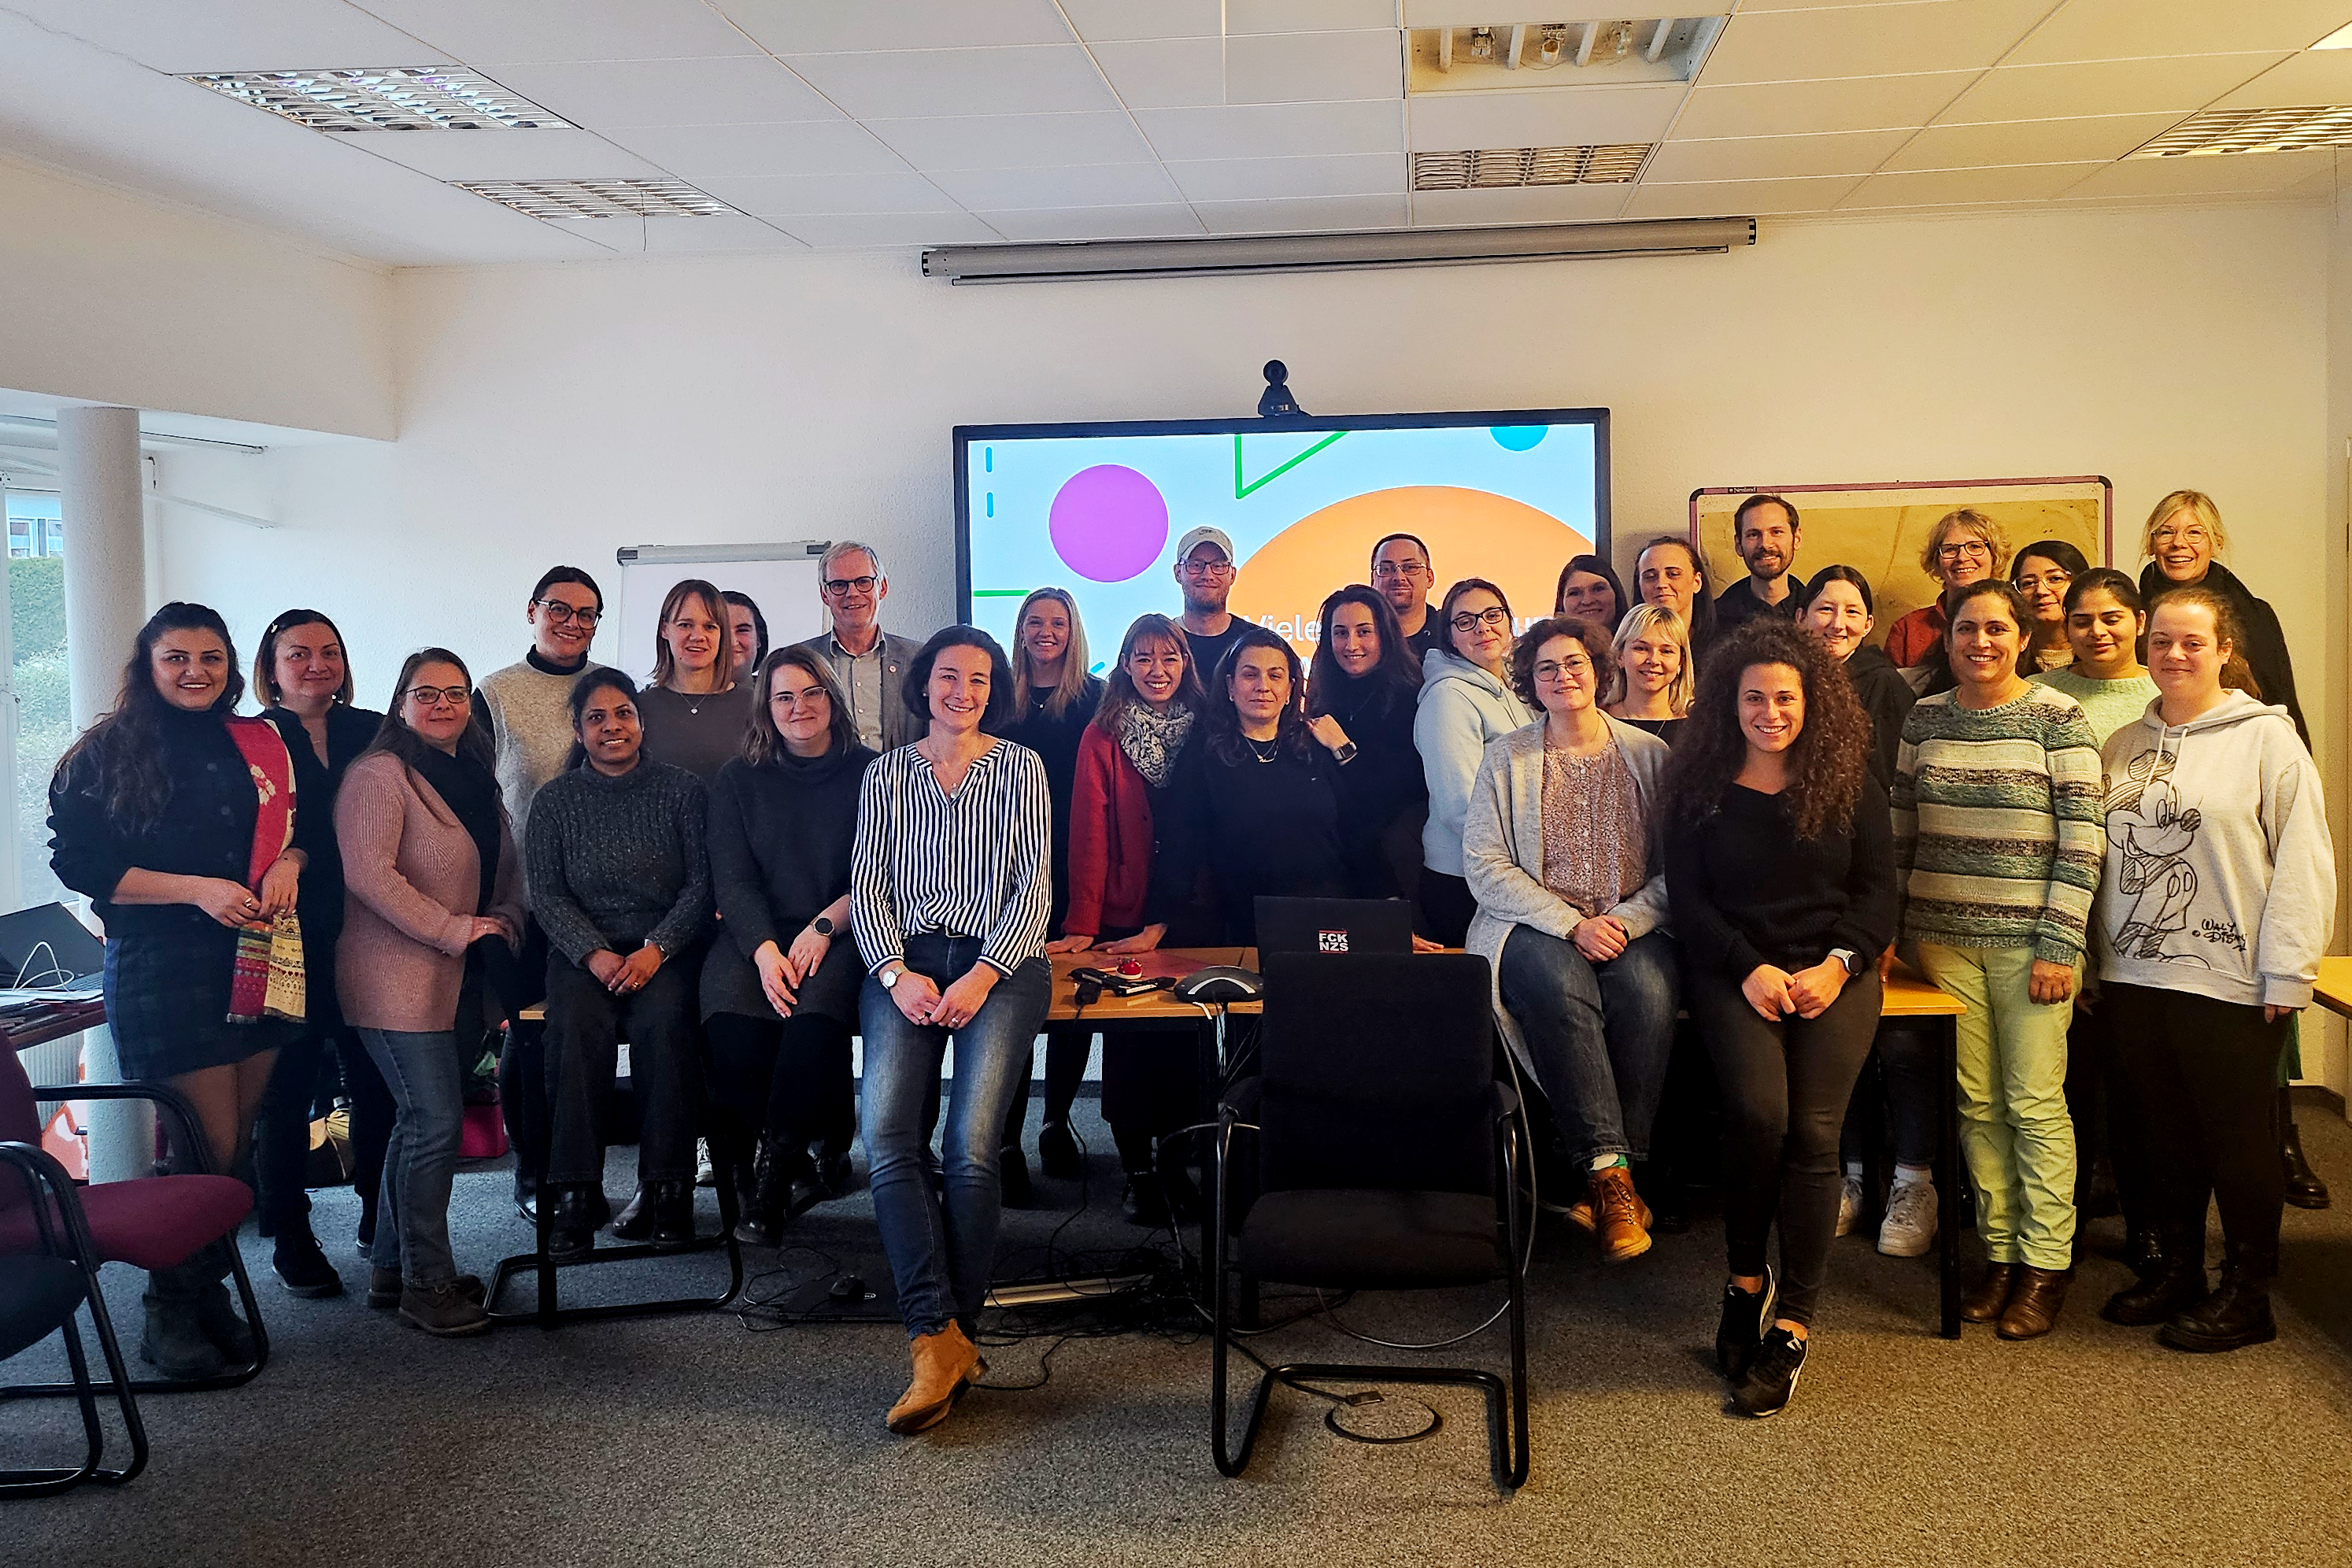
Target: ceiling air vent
390,97
599,198
1558,54
2218,131
1499,168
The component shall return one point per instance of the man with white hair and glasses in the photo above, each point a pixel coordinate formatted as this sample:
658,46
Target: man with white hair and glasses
870,663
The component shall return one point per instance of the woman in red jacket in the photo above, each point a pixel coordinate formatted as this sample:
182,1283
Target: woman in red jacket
1125,760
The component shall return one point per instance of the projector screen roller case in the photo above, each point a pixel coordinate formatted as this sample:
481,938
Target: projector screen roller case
1098,509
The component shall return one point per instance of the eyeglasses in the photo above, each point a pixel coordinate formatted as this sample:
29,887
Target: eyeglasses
837,586
563,615
427,696
1391,569
1207,569
2195,534
1493,616
1549,671
1974,547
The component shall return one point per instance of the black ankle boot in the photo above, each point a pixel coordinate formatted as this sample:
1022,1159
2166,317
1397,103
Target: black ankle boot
2235,1315
763,1210
1145,1201
2144,1252
2305,1190
1058,1151
635,1221
672,1204
572,1226
1013,1174
2174,1286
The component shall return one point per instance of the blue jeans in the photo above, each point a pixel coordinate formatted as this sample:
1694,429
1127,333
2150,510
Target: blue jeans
1597,1033
428,1092
938,1212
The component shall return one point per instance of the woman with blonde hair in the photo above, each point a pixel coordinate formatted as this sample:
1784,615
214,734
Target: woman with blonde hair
1053,698
1654,680
1964,548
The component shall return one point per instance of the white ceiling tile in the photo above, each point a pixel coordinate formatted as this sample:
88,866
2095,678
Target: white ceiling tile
1303,215
2125,30
252,35
536,30
1108,21
1927,36
1275,129
746,89
1307,16
1545,117
790,195
1532,204
1033,79
1740,198
1957,187
2106,87
1013,140
503,154
2251,173
887,231
1315,67
795,147
1773,157
689,236
2104,137
1165,73
2322,75
1255,179
1085,186
1798,108
1820,4
832,26
1043,225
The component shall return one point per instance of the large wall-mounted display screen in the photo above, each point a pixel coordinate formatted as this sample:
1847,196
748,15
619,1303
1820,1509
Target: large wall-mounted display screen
1099,508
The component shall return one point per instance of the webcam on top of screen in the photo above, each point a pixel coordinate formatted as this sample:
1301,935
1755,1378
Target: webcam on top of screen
1276,401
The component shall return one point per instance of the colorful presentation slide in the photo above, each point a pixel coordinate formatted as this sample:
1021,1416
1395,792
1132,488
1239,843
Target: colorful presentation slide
1098,511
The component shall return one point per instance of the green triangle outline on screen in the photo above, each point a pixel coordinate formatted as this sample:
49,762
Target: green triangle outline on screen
1242,487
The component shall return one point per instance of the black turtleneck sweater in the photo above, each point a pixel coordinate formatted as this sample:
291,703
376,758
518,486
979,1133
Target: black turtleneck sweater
1055,742
780,840
2266,651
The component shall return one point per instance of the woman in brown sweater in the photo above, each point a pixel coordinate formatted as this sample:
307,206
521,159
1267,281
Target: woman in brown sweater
429,872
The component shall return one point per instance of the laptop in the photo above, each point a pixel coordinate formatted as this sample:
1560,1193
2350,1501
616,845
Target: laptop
44,948
1333,925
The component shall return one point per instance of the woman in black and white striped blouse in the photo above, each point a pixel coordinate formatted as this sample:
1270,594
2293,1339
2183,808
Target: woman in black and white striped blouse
950,892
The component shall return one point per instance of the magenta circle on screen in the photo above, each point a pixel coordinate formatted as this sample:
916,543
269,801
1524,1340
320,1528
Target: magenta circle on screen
1109,522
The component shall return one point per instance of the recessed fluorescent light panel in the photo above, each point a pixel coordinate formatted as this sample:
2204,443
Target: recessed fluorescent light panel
2221,131
1500,168
562,199
2340,39
392,97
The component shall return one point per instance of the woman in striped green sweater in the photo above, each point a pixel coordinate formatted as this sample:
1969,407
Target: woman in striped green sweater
1998,844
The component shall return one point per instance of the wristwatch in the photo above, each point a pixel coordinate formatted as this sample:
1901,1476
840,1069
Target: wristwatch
1345,753
891,974
823,927
1847,956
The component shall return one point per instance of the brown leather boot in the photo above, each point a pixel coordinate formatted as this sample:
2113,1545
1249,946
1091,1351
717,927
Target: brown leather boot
945,1365
1620,1218
1984,1304
2033,1309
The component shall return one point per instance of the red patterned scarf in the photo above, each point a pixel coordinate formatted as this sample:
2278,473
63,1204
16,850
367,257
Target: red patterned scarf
268,981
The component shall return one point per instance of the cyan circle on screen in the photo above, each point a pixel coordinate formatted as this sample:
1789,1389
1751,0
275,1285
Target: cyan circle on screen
1517,437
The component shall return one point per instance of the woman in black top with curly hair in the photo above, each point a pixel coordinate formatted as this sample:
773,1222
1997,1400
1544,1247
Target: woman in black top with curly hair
1780,874
1361,694
1255,807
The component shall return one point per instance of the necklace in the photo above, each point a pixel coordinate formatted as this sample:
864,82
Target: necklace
1265,750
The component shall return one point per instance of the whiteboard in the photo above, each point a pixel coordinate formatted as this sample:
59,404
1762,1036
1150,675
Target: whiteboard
782,579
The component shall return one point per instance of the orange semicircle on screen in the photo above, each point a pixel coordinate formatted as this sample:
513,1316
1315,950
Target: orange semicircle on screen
1470,533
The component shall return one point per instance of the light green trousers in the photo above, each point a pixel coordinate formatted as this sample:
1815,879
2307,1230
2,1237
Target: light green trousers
2014,1129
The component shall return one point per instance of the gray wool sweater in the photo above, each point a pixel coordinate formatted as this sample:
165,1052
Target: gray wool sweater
528,711
618,862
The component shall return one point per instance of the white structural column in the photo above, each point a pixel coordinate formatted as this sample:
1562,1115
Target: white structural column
106,603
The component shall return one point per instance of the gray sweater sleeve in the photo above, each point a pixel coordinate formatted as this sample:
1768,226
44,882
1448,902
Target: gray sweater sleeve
2298,913
691,908
569,929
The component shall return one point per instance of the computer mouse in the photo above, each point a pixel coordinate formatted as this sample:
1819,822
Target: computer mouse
848,1288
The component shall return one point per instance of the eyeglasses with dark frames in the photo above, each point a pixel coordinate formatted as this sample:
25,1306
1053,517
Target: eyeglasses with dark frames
561,614
427,696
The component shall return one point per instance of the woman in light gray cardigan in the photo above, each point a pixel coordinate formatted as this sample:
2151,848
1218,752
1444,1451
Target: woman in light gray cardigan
1560,848
429,870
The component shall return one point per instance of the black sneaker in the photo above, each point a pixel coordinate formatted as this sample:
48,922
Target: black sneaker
1771,1380
1745,1315
301,1263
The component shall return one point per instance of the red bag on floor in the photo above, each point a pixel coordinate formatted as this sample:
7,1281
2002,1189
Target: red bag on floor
485,1136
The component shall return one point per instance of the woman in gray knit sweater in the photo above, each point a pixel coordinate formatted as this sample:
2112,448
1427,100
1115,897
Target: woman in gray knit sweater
619,882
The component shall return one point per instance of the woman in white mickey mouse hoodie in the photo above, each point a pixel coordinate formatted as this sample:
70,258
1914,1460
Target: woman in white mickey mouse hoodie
2216,900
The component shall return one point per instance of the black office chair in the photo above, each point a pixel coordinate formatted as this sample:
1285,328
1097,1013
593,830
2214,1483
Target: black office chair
1385,1159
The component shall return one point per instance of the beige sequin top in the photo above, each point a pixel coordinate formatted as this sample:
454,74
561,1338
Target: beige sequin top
1595,853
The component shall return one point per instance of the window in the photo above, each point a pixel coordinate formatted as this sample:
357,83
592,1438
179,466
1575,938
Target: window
44,716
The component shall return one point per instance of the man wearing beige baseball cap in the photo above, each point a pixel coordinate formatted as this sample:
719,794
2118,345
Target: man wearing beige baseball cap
1204,570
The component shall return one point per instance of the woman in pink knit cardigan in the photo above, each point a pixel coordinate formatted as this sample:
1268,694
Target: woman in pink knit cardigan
430,880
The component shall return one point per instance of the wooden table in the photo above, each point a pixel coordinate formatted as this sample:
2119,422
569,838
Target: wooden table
2333,990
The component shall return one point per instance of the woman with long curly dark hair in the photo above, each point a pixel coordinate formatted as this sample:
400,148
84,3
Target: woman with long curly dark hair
1362,692
1781,875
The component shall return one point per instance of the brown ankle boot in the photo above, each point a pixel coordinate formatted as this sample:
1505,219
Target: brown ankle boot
1985,1303
2033,1309
945,1365
1620,1218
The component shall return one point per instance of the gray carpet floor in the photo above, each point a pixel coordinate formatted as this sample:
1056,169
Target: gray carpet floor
714,1438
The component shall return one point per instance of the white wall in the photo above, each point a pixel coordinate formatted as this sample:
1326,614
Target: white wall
556,412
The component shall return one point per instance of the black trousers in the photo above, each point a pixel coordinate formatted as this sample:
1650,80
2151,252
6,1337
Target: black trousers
1446,906
1785,1086
281,1134
1066,1046
1151,1086
524,1114
2201,1076
786,1079
2107,1119
585,1023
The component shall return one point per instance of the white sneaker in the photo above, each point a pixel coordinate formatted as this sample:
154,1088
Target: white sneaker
1849,1203
1910,1224
704,1173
